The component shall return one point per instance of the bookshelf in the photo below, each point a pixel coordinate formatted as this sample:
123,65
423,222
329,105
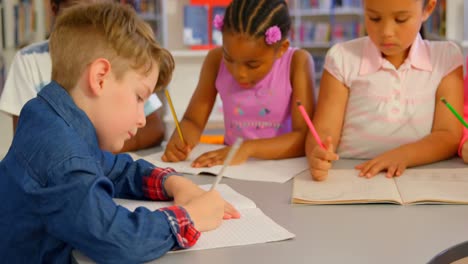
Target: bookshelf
22,23
317,25
154,12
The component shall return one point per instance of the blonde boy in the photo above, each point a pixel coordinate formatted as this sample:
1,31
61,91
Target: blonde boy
59,177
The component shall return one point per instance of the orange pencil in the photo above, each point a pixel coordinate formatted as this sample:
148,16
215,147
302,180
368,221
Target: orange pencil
174,115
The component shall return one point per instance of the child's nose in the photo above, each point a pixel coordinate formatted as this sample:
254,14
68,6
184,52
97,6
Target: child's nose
240,72
388,29
141,122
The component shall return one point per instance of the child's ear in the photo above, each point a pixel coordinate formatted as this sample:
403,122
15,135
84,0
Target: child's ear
428,9
282,48
99,72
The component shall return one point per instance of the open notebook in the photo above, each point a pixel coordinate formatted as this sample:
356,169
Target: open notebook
415,186
255,170
253,227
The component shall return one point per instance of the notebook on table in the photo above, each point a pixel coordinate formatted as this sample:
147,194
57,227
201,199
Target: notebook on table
415,186
279,171
253,227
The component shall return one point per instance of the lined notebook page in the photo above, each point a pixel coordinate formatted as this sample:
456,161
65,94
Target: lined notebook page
252,228
344,186
279,171
434,185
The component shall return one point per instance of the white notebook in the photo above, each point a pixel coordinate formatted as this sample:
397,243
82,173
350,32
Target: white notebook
252,228
279,171
415,186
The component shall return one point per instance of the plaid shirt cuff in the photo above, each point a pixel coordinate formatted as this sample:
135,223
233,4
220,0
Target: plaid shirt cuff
153,185
181,225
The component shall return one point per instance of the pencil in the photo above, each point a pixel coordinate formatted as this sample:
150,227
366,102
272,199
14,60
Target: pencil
174,115
309,124
227,161
457,115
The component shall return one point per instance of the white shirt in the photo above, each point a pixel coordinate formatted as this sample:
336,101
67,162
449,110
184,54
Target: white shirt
388,107
31,70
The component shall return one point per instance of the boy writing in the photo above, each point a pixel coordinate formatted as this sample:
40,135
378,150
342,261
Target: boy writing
58,176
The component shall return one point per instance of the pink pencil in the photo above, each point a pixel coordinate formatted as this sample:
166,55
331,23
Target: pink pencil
309,123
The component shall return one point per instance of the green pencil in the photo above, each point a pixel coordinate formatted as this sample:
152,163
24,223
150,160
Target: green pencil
457,115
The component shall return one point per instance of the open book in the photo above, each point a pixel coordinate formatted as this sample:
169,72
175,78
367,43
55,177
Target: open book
415,186
255,170
253,227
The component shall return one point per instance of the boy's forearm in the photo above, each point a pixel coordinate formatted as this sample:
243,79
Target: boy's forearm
289,145
439,145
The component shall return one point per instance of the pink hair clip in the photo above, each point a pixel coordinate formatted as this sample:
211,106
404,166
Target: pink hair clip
272,35
218,22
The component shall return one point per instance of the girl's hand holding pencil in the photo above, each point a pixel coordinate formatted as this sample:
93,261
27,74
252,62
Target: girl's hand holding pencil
176,150
181,144
320,160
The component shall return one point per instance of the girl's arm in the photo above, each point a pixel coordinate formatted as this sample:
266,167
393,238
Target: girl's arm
198,110
441,143
328,121
290,144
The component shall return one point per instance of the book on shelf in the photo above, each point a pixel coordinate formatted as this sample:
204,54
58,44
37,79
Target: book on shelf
196,25
325,34
325,4
415,186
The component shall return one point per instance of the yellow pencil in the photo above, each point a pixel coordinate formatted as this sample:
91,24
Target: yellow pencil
174,115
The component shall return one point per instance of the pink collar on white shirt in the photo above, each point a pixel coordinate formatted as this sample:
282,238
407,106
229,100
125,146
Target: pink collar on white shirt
372,59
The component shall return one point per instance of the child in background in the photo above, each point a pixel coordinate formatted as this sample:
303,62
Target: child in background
259,78
58,182
380,95
463,149
31,70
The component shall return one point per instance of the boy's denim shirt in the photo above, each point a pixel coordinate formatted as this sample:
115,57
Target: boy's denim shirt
57,186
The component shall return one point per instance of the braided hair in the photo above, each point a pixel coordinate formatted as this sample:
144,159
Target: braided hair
255,17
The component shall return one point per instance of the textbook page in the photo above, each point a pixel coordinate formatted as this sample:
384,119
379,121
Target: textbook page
344,187
434,186
279,171
253,227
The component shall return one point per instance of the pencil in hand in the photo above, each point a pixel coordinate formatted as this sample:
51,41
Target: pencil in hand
227,161
309,124
457,115
174,115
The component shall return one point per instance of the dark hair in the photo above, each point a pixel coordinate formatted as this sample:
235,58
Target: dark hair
254,17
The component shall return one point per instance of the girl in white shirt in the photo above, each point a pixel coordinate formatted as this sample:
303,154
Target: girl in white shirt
380,95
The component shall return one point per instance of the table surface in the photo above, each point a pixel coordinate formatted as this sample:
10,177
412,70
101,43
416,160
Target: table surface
364,233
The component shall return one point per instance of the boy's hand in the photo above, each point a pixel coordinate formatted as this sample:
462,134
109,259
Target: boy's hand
206,211
465,152
320,160
184,191
394,162
217,157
